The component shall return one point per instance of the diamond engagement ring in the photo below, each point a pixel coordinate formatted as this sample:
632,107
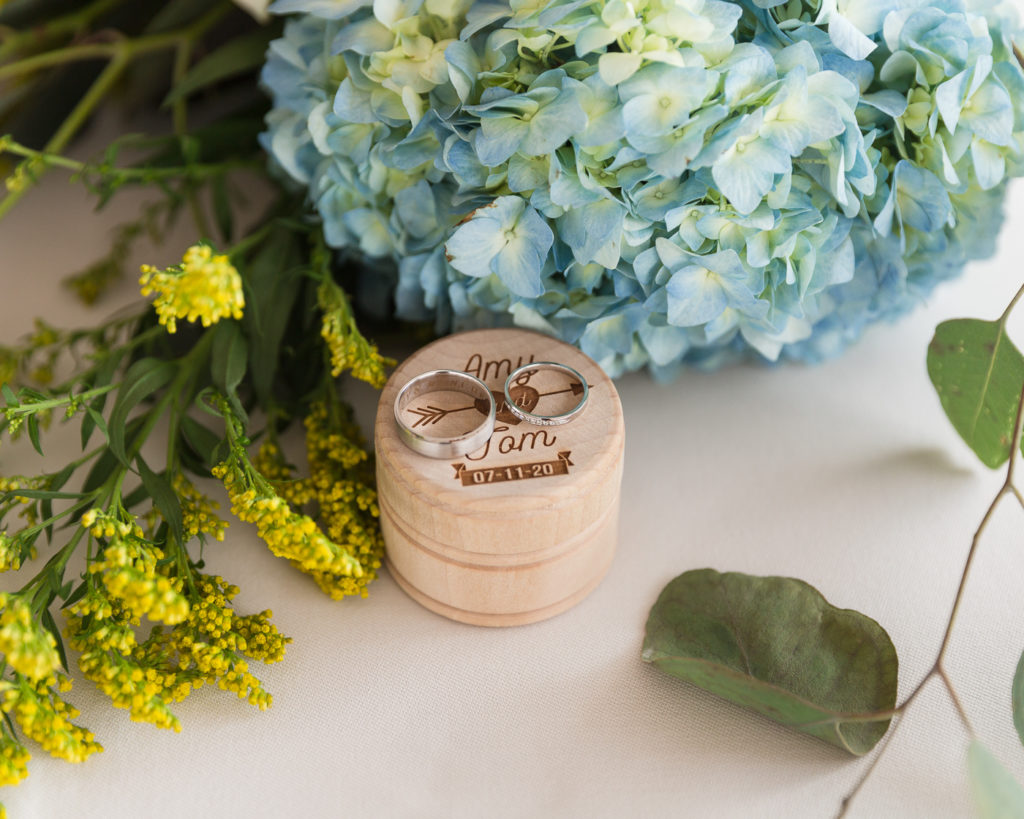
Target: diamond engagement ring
577,386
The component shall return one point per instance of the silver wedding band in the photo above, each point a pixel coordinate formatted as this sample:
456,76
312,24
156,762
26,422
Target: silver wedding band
434,446
539,418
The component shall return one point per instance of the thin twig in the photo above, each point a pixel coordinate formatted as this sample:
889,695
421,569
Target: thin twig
938,669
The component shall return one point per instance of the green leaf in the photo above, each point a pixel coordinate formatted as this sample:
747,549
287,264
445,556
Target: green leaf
40,494
33,433
9,396
200,440
237,56
94,420
229,357
978,374
776,646
165,499
997,795
51,626
76,595
1017,697
273,280
222,212
143,378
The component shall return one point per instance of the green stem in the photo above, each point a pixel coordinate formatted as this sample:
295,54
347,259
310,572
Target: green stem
1009,309
75,120
195,171
67,25
938,668
53,403
39,585
121,53
60,56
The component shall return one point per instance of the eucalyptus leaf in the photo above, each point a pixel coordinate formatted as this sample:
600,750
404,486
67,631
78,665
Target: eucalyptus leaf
776,646
997,795
1017,698
978,374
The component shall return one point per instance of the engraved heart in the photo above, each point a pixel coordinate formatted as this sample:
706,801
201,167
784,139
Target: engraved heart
526,398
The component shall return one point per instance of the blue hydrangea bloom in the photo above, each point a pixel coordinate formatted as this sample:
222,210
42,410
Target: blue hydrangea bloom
661,182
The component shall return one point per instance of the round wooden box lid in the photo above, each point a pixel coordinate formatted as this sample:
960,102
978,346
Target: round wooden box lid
531,488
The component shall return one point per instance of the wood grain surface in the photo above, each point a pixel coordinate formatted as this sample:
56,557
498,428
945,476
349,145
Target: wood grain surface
524,527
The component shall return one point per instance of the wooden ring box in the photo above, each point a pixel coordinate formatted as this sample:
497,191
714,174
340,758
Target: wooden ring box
523,528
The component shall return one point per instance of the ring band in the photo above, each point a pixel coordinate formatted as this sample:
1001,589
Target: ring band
539,418
452,381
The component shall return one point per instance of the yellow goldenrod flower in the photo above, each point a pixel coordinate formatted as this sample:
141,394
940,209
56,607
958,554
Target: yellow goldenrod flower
204,287
128,570
349,349
11,554
199,513
46,718
28,648
14,759
342,478
288,534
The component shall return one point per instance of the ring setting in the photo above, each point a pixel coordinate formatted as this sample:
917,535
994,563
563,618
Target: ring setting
578,386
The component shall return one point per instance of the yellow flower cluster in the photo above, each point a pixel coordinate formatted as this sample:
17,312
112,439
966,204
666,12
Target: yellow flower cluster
27,647
270,463
14,759
288,534
13,484
207,647
129,570
12,554
46,718
199,513
342,479
349,349
102,632
204,287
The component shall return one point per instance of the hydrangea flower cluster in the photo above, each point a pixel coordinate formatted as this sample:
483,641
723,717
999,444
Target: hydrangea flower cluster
658,181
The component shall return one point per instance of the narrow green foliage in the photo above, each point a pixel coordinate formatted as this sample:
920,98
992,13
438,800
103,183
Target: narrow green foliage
143,378
776,646
238,56
978,373
229,361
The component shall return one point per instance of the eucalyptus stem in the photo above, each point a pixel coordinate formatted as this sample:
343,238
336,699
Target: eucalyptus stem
938,668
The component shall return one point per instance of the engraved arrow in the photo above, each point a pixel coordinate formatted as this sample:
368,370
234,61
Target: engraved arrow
431,415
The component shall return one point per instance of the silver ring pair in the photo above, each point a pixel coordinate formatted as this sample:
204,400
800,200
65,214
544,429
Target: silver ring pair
434,446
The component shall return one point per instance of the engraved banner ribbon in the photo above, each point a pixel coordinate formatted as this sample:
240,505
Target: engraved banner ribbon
513,472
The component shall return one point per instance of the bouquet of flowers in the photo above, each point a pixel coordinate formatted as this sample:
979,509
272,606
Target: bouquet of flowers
658,181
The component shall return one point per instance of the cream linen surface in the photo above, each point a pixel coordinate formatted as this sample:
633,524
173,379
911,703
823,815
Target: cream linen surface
846,475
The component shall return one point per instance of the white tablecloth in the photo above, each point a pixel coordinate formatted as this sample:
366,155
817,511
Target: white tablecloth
846,475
